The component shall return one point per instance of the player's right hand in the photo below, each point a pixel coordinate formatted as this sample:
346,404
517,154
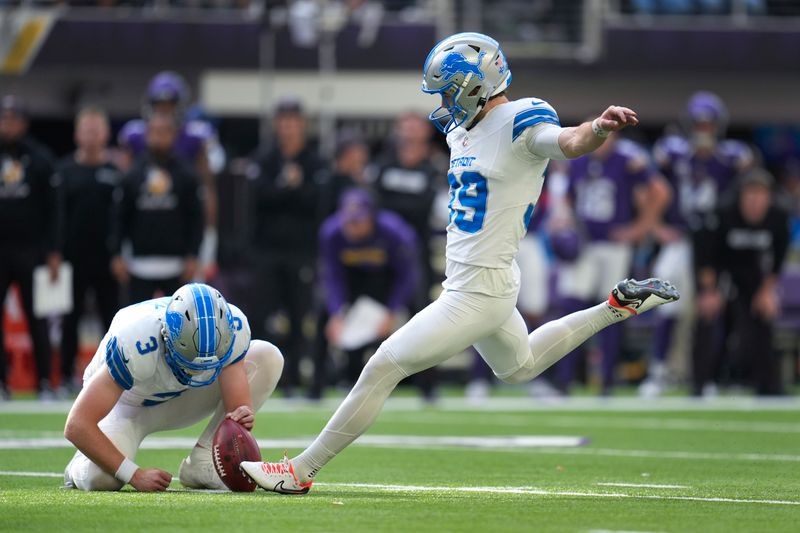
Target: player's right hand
617,117
151,480
120,270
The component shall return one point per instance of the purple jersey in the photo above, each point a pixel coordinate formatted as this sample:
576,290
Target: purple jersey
191,140
698,183
602,188
392,249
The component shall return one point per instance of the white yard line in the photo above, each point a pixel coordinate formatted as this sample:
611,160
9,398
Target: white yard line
393,441
516,404
522,420
641,485
532,491
528,444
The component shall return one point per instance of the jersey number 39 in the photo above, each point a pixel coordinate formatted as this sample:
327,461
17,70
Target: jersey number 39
467,201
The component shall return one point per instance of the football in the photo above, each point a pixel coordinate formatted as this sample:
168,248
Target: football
232,445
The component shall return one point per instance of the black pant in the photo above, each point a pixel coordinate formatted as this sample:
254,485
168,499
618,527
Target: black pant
283,285
17,265
738,344
752,355
86,276
140,289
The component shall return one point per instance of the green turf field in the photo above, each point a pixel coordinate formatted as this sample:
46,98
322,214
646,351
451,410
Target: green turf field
666,467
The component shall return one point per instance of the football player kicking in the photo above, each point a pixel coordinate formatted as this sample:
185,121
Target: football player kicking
499,150
166,364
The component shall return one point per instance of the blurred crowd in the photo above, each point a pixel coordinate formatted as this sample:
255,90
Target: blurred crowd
338,253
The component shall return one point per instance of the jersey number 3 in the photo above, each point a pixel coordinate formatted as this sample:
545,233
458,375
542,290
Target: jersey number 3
147,348
467,201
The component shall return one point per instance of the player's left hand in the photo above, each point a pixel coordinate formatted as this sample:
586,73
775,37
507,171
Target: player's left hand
53,265
189,269
616,118
629,234
244,415
386,326
766,304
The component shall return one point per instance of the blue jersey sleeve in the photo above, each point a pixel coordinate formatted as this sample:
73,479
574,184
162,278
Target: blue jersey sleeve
118,364
540,112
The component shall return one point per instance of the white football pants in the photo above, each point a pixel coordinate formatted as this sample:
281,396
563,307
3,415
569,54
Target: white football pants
127,425
447,326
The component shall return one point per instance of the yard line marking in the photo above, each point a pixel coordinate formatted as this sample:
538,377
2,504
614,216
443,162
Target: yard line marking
540,492
641,485
18,473
515,404
681,424
533,491
529,444
397,441
649,454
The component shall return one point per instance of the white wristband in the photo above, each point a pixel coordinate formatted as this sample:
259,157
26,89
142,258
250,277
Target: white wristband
126,471
600,132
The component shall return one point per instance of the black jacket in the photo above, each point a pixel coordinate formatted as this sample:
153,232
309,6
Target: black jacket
288,203
747,253
86,194
28,198
159,209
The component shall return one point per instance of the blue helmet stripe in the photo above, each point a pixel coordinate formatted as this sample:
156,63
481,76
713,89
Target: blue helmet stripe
522,126
201,331
211,330
116,365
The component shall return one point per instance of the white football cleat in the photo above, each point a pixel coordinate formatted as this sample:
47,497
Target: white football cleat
197,471
636,297
275,477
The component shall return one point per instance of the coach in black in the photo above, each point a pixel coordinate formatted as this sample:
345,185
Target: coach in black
28,227
747,245
159,214
87,181
287,196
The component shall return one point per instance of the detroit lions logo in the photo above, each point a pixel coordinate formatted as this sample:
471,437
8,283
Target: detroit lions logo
456,63
174,323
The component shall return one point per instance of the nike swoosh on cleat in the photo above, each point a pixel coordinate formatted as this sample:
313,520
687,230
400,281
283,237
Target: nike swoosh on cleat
279,488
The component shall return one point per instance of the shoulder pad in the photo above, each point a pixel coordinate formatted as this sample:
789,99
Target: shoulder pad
530,112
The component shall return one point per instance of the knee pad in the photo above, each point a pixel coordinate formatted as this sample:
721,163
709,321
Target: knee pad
90,477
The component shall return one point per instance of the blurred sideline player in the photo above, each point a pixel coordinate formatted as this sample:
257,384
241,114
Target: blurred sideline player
197,144
499,150
166,364
616,197
701,169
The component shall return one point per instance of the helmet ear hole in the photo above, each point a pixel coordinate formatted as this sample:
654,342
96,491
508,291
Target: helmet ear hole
475,91
187,316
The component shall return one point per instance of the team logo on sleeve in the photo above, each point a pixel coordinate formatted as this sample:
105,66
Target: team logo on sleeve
456,63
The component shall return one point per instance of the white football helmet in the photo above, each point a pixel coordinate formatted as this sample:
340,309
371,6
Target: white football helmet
466,69
198,333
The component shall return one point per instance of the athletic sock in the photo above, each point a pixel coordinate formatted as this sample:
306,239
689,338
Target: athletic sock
353,417
553,340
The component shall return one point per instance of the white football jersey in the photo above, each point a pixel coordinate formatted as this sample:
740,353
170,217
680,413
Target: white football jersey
133,353
495,182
